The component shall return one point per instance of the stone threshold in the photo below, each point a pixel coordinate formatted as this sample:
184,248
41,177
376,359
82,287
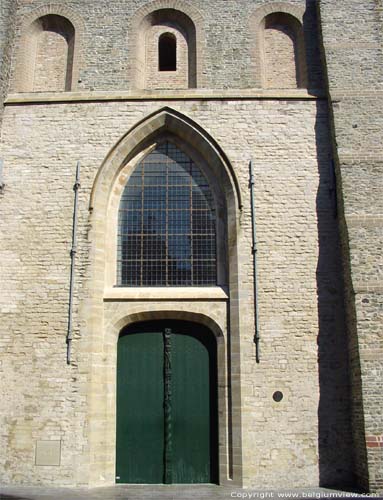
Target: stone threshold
173,492
165,95
213,293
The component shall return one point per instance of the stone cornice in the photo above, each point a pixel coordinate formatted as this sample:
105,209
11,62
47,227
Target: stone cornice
165,293
169,95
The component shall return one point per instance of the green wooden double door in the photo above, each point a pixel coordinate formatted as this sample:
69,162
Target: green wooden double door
167,429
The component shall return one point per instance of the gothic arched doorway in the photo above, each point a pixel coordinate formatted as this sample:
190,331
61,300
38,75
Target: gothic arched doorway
167,428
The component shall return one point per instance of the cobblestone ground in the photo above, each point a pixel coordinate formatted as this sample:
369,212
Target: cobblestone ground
169,493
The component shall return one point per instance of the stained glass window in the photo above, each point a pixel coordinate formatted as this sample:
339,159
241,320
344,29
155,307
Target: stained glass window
167,223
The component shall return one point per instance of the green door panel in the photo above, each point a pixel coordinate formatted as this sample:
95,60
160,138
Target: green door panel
167,428
190,410
140,418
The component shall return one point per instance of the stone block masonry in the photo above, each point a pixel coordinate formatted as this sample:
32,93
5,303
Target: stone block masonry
7,20
108,51
320,277
354,66
288,141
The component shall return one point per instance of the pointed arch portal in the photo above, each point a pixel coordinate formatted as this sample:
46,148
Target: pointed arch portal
197,363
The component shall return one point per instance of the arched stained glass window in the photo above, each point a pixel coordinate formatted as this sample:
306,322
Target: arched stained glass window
167,223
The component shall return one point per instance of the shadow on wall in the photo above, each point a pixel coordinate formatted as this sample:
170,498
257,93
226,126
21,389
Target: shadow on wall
334,412
315,79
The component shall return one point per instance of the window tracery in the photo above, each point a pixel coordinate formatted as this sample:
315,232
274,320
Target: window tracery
167,223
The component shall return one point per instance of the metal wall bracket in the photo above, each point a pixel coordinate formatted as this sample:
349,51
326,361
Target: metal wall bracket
69,336
2,184
254,253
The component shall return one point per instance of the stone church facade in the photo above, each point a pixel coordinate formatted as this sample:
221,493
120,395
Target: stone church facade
262,293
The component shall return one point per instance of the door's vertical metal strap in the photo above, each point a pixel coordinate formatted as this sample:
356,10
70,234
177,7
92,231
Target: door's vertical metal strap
168,406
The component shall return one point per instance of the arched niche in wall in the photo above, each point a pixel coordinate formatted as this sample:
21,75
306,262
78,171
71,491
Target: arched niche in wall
155,27
283,52
278,54
47,51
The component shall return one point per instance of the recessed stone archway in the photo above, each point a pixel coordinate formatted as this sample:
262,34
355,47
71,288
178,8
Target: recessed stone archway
182,16
110,308
102,394
267,15
57,18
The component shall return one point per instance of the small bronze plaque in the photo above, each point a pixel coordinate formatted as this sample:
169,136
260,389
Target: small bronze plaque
48,452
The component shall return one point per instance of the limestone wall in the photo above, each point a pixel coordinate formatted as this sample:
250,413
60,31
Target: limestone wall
300,296
303,440
353,53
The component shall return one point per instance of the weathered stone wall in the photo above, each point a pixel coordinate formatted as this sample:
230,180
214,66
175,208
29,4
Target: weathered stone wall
353,52
7,20
306,438
225,41
299,291
4,33
51,58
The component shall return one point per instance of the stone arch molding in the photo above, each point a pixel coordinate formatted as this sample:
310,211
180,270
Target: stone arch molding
264,10
256,20
102,396
120,162
173,314
23,34
136,32
166,120
180,5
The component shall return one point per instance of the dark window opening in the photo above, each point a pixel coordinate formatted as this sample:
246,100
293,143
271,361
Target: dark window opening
167,223
167,52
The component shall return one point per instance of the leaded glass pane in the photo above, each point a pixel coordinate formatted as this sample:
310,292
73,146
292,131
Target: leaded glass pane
167,226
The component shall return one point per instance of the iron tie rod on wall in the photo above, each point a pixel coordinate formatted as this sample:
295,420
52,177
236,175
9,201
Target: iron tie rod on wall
2,185
254,252
73,252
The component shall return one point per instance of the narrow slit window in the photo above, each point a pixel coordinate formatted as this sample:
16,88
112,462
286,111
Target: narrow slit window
167,52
